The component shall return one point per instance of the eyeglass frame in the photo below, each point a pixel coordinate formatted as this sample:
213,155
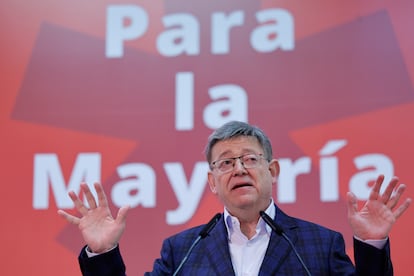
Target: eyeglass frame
233,159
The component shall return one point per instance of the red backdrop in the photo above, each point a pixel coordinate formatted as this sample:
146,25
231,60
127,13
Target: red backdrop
127,95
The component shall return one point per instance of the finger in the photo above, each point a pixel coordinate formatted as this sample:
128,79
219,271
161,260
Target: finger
89,196
400,210
70,218
392,202
389,190
352,204
374,194
78,203
122,213
102,201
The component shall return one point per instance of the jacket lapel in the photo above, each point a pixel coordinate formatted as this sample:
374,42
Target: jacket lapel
278,249
218,250
217,247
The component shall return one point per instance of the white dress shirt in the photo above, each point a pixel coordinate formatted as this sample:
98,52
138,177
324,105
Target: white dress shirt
247,255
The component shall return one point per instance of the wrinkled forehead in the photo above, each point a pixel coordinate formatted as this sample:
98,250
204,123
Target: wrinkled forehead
236,146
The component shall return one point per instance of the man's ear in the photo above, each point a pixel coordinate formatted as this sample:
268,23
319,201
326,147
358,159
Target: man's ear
211,182
274,169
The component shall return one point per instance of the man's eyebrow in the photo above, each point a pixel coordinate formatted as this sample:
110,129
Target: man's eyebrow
221,156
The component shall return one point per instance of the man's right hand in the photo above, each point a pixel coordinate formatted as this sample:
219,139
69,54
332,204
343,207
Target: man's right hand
99,229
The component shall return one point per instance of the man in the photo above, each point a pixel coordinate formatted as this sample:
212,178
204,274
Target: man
242,174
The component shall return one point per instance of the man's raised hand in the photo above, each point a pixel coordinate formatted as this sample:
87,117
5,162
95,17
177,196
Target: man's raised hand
376,218
99,229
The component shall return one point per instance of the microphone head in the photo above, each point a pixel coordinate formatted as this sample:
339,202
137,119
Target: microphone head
209,226
271,223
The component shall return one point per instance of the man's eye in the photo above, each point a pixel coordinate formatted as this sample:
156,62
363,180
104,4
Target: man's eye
226,162
250,158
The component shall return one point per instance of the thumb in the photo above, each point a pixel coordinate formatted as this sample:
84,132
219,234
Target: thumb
352,204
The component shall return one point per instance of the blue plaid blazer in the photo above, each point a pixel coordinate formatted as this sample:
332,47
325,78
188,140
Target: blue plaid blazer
322,250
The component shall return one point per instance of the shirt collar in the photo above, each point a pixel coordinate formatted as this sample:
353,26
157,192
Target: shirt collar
228,219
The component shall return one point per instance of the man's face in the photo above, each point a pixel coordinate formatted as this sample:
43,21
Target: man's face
243,188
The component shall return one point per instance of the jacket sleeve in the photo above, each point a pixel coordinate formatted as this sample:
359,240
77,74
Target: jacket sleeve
106,264
372,261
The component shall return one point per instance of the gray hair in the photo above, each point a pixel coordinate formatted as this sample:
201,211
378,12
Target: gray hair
235,129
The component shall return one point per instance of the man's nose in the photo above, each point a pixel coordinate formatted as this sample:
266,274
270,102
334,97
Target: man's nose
238,166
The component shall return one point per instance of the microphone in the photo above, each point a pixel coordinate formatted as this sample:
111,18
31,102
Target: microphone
203,233
209,226
275,227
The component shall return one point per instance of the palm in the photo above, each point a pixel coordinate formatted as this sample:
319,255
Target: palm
374,221
99,229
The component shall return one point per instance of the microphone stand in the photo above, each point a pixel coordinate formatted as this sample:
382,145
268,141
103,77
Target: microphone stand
203,233
275,227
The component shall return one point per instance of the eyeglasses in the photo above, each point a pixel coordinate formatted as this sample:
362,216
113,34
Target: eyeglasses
249,161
